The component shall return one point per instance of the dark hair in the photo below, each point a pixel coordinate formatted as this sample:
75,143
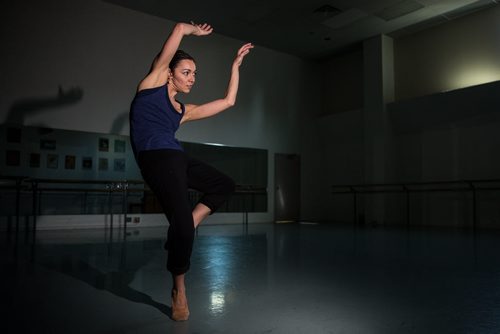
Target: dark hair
178,56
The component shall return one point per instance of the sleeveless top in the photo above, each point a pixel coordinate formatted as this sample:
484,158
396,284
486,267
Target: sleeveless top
154,121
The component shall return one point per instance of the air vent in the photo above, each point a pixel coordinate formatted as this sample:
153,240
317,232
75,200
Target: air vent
327,11
399,9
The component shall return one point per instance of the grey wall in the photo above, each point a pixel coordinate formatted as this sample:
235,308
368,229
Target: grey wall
343,82
458,54
104,50
443,125
100,51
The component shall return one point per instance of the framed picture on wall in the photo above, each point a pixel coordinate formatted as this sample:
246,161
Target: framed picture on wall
12,158
119,146
70,162
47,144
52,161
13,135
103,164
103,144
87,163
119,165
34,160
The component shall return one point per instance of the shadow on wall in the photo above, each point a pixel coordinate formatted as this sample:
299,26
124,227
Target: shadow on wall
119,123
29,106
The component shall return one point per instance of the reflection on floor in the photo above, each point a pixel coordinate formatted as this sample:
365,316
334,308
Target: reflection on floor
263,278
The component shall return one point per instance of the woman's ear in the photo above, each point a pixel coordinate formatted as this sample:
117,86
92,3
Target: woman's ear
169,75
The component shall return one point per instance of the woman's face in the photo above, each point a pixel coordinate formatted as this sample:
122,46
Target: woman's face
183,76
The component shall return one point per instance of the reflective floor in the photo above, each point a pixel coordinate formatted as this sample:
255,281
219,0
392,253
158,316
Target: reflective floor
292,278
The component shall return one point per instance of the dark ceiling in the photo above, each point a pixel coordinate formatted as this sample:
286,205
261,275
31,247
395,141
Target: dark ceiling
311,29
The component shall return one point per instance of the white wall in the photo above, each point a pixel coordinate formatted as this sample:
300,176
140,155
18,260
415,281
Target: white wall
447,118
461,53
106,49
432,136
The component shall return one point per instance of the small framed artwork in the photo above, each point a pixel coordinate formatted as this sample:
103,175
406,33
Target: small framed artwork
119,146
87,163
103,144
13,135
12,158
52,161
103,164
35,160
119,165
69,162
47,144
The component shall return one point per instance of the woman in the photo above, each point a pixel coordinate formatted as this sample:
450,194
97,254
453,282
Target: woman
155,115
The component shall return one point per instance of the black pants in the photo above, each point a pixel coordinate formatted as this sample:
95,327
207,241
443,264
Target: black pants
169,174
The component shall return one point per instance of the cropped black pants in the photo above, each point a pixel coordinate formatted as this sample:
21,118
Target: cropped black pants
169,174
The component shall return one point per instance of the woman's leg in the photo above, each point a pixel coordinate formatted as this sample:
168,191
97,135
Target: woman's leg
165,173
180,310
215,186
200,212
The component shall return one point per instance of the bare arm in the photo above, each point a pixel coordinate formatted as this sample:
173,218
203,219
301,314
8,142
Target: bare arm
158,74
195,112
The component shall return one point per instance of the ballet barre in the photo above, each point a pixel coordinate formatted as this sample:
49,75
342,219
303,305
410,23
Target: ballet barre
472,186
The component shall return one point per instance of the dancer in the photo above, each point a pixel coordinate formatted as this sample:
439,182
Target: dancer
155,115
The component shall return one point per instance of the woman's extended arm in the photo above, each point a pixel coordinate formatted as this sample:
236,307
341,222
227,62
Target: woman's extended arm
194,112
158,74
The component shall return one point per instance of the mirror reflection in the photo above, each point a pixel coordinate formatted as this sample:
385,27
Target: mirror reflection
74,172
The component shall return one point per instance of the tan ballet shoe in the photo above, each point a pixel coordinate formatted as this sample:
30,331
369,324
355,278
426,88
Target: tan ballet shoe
179,312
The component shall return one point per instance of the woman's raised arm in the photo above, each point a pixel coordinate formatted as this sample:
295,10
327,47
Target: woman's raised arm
194,112
158,74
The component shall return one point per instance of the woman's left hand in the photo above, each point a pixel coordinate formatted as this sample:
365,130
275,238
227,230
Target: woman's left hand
242,52
201,29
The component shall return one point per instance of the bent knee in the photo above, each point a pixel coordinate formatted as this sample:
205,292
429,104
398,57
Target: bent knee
229,186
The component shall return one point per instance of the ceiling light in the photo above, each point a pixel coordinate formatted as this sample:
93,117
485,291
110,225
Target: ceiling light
327,11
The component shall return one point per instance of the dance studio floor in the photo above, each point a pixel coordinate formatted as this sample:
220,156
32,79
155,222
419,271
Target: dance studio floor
266,278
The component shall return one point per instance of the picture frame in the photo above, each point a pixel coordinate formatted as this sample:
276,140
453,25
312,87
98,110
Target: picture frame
103,164
119,165
70,162
103,145
119,146
14,135
52,161
47,144
87,163
34,160
13,158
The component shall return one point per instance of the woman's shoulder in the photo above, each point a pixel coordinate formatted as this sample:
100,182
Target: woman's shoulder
152,80
145,91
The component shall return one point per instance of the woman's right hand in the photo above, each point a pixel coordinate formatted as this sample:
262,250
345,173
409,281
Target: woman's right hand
242,52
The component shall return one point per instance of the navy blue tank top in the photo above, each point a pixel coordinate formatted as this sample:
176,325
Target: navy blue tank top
154,121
